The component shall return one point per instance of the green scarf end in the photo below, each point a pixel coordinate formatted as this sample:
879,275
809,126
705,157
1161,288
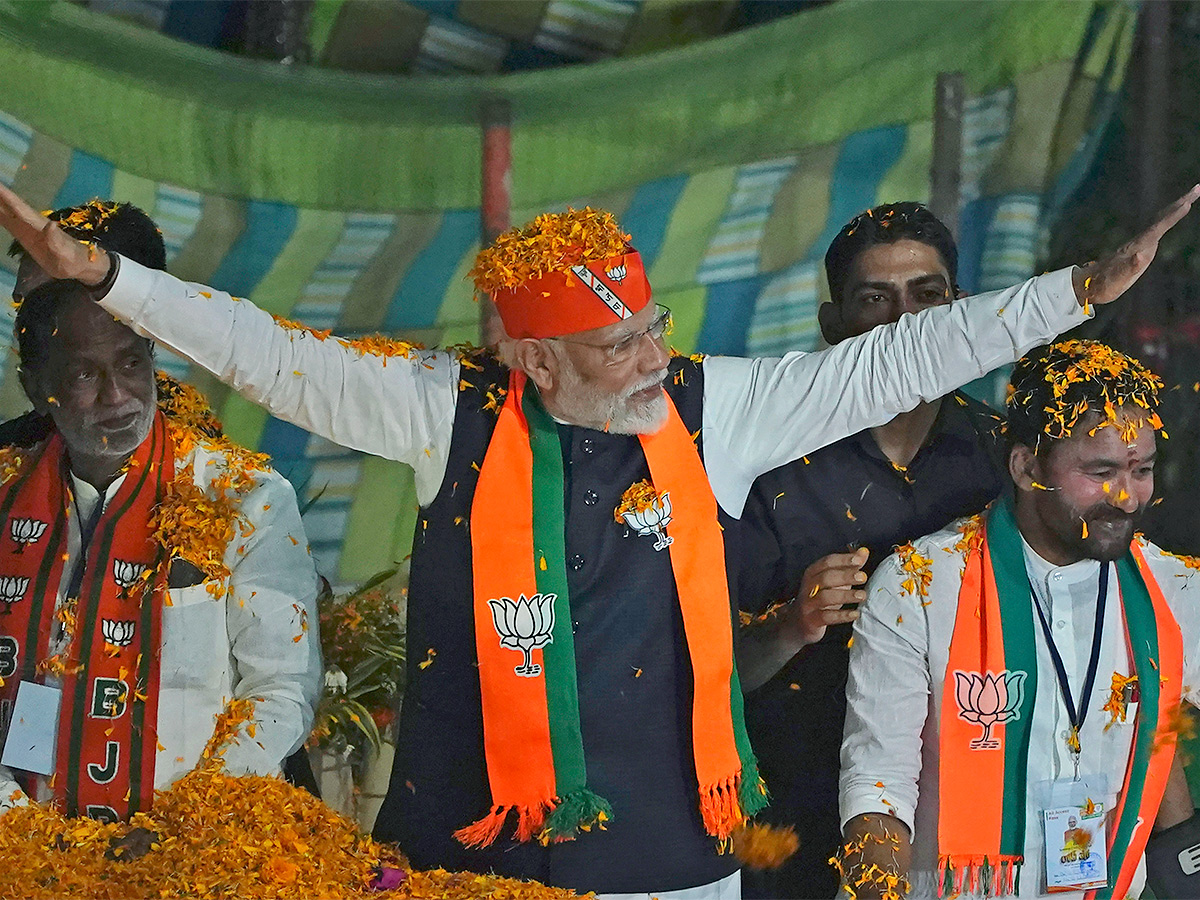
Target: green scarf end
753,796
580,810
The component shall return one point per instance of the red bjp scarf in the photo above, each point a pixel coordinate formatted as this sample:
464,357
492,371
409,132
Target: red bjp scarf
110,670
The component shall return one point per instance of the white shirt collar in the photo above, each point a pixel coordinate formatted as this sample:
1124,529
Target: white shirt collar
1040,569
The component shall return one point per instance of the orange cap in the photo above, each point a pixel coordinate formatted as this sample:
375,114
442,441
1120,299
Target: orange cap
582,297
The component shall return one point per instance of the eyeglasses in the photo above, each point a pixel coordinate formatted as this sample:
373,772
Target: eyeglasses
624,349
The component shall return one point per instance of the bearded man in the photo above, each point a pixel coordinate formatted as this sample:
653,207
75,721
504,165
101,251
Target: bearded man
154,576
1025,667
571,685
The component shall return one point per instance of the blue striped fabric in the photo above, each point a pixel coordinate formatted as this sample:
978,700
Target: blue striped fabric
177,212
269,227
15,137
449,46
418,298
785,314
89,176
864,159
727,315
986,123
649,213
734,249
585,29
334,473
322,299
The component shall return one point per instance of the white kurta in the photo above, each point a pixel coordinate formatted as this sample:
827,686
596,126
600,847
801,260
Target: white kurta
239,645
898,667
758,414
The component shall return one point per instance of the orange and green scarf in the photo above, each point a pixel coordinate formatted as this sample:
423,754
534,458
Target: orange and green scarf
110,669
533,744
993,667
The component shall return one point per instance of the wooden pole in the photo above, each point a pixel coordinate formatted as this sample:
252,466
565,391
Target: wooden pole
495,115
1149,306
945,173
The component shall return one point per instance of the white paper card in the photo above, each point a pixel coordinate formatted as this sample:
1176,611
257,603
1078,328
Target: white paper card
1075,847
33,729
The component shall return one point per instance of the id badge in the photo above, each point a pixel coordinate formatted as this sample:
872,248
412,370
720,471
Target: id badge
33,729
1076,845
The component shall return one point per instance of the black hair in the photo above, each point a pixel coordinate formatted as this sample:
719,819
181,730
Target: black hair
120,227
886,224
1056,385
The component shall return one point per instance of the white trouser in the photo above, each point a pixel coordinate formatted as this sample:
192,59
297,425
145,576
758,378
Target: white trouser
728,888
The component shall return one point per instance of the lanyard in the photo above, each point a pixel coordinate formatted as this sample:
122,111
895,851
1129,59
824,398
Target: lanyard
1077,715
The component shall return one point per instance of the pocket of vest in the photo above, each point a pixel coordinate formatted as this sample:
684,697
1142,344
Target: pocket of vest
183,574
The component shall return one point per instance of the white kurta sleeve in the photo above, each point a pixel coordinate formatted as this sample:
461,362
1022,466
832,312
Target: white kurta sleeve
887,700
395,407
271,617
762,413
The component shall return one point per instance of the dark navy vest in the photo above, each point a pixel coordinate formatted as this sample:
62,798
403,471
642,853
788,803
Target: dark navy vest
633,671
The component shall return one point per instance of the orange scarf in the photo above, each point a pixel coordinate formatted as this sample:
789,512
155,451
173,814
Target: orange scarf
991,683
532,742
109,670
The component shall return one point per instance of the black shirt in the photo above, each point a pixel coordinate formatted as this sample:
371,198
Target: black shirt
844,496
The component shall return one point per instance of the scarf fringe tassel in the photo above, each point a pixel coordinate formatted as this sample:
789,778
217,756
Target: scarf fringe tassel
485,832
726,805
998,875
580,810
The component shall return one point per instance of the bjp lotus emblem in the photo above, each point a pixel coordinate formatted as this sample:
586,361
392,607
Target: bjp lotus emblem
25,532
118,632
525,625
652,518
617,273
12,589
988,700
127,574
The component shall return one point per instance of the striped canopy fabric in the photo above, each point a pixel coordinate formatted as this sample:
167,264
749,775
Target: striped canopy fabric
351,201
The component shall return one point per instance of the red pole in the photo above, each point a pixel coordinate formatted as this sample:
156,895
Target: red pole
495,116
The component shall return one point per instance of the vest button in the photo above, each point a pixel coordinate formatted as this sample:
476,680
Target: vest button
587,445
576,562
590,498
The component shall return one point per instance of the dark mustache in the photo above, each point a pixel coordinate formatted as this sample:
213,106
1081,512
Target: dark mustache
1109,514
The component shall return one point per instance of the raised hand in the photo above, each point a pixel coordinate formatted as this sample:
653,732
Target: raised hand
830,593
1108,279
58,254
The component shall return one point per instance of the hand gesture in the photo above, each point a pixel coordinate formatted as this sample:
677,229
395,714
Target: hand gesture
1108,279
830,593
58,254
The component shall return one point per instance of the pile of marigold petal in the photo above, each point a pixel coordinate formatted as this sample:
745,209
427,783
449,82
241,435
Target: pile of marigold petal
553,242
223,837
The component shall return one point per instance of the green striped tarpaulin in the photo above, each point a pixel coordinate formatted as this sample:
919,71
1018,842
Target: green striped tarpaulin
351,201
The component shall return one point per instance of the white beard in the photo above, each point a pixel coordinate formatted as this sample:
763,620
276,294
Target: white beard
617,415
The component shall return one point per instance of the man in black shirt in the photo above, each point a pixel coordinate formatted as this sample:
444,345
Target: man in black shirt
807,524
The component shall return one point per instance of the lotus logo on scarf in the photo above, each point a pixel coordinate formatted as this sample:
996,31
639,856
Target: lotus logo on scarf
616,273
127,574
12,589
118,632
25,532
988,700
525,626
654,520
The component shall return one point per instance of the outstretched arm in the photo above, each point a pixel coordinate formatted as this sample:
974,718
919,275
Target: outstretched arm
762,413
384,400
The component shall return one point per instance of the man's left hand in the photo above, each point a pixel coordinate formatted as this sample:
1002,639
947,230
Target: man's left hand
57,253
